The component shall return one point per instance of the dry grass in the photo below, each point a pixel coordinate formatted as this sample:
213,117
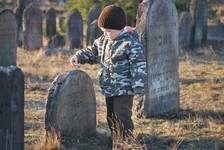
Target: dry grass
199,125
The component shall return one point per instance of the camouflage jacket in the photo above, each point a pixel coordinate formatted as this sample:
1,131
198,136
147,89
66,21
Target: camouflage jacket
124,73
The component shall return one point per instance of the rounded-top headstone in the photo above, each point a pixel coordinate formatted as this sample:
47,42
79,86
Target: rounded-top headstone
75,30
71,105
51,23
162,94
33,28
7,38
93,31
93,14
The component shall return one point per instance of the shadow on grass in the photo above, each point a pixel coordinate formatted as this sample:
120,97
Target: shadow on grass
201,57
193,81
93,141
173,143
184,114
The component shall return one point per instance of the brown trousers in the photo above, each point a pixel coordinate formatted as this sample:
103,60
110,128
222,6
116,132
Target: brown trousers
119,112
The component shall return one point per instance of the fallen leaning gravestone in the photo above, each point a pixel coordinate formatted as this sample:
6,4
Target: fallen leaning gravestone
71,106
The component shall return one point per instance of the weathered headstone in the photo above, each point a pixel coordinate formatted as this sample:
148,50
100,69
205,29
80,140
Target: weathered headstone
141,16
33,28
185,30
71,106
75,30
199,13
93,31
11,108
7,38
21,4
162,94
51,23
56,41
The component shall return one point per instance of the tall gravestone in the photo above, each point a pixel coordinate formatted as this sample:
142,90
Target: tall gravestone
51,23
21,4
7,38
93,31
141,16
185,25
75,30
33,28
71,106
199,13
162,94
11,108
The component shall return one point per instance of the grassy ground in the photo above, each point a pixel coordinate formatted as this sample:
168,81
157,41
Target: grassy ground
198,126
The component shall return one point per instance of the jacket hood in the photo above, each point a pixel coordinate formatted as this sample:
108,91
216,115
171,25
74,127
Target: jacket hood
127,31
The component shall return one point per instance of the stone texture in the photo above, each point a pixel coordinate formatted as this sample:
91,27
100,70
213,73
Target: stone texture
51,23
21,5
199,13
7,38
56,41
185,25
33,28
141,18
75,30
11,108
93,31
162,94
71,106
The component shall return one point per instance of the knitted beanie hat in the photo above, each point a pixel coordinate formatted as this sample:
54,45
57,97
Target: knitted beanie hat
112,17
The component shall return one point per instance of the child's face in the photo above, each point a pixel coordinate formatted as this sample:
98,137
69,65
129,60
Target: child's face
111,34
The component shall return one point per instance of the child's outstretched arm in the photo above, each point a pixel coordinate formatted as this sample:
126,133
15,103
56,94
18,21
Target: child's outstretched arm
87,55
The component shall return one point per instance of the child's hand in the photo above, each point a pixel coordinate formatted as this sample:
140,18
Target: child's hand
74,61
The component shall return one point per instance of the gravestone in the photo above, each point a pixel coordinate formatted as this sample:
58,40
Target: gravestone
51,23
33,28
75,30
21,4
71,106
11,108
184,30
93,31
56,41
199,13
7,38
162,94
19,16
141,16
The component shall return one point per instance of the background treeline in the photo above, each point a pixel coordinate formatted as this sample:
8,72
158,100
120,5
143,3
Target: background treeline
131,6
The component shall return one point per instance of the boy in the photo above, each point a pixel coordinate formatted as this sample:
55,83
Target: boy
122,67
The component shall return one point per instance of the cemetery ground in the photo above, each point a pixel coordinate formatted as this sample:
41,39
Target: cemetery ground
199,124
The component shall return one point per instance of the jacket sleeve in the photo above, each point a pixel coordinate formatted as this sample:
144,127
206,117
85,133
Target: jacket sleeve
89,54
137,67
